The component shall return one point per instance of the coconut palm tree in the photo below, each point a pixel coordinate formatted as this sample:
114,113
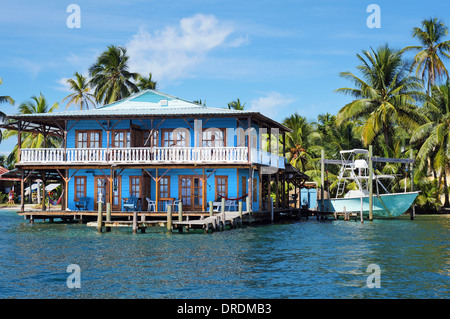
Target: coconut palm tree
4,99
432,49
110,76
385,95
80,95
435,134
236,105
38,104
301,143
144,83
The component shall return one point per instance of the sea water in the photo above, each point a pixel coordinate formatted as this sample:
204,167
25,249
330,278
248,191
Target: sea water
301,259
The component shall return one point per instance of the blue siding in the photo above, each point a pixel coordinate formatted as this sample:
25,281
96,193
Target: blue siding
230,124
233,178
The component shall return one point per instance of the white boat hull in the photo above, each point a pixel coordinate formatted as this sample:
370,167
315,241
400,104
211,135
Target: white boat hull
384,206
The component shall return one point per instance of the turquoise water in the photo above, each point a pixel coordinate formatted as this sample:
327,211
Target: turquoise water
303,259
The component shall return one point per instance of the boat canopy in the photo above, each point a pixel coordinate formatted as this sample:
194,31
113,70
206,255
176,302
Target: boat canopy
356,151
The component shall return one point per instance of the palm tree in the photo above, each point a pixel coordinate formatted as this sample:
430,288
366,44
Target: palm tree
144,83
385,95
110,76
33,140
236,105
428,60
301,143
4,99
81,95
435,134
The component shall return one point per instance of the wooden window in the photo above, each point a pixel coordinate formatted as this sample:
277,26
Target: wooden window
135,186
169,139
164,187
242,138
88,138
221,187
214,137
120,138
150,141
80,187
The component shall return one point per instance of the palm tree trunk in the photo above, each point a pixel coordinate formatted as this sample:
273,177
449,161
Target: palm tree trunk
446,197
386,137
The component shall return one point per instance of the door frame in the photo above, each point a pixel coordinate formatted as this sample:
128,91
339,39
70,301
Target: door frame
192,178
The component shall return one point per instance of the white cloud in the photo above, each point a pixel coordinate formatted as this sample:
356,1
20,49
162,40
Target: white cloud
174,51
272,105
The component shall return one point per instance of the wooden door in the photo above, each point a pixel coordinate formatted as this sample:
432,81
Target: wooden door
101,186
191,192
117,191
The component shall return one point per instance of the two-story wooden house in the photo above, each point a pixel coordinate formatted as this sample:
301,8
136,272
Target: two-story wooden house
157,148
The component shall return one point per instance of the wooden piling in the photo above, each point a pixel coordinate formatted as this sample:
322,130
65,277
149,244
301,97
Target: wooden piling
135,227
108,216
370,184
322,180
180,212
222,205
240,212
411,169
248,204
169,217
345,214
211,208
100,217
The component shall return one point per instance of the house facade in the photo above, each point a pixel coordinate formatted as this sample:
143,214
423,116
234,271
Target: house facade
159,149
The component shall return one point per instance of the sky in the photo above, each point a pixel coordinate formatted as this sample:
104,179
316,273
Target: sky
277,57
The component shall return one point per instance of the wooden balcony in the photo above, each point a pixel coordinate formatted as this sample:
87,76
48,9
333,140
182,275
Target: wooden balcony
147,155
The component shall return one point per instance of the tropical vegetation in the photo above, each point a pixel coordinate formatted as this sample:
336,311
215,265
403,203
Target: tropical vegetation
399,104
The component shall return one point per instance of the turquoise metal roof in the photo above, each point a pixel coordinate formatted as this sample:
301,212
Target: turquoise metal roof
146,103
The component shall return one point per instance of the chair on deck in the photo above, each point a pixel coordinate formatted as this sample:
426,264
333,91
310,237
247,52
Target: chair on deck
176,203
131,204
82,203
231,204
151,203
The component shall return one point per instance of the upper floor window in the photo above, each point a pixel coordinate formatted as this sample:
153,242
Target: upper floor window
88,139
172,137
120,138
213,137
149,139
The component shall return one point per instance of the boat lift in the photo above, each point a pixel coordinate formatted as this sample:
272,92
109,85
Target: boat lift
349,163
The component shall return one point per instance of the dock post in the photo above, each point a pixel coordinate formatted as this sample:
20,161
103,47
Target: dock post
240,212
248,204
322,180
180,211
345,213
108,216
222,206
271,209
135,222
370,184
411,156
100,216
210,208
169,217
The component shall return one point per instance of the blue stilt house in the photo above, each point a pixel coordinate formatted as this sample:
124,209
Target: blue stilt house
159,150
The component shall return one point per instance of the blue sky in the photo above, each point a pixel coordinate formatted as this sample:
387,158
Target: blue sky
279,57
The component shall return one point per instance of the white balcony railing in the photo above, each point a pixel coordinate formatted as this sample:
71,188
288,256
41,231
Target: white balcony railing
144,155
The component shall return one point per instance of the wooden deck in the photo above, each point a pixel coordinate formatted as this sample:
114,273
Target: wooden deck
190,220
